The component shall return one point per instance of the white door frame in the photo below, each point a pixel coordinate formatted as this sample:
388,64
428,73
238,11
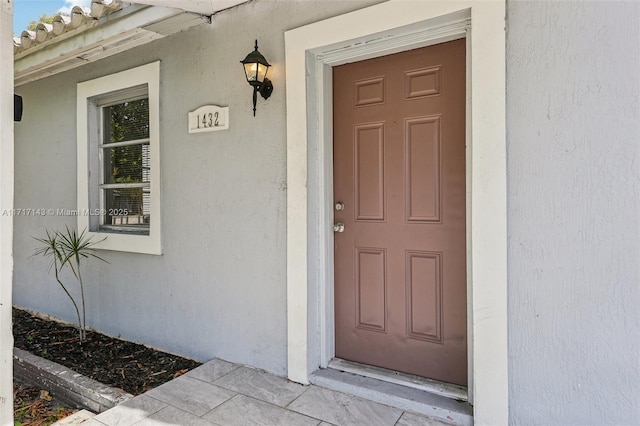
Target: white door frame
391,27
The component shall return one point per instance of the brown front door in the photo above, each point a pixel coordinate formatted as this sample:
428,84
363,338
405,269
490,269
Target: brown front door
399,171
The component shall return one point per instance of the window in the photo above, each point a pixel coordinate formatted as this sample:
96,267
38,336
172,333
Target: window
118,159
126,165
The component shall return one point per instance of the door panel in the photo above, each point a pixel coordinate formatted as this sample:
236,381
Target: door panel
371,289
369,172
400,266
422,169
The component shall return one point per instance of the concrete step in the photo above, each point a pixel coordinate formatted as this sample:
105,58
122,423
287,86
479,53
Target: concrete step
438,407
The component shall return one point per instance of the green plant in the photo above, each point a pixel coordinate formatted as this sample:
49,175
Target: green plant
69,249
19,414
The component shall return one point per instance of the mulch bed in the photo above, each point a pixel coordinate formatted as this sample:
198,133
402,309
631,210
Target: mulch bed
117,363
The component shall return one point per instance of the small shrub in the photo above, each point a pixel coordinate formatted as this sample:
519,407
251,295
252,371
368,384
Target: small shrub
69,249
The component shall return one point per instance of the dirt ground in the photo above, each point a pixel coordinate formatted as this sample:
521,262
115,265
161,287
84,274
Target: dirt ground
33,406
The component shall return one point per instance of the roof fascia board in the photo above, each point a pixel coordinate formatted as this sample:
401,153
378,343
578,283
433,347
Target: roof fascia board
205,7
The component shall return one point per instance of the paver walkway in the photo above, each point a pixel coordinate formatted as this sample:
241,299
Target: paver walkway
225,394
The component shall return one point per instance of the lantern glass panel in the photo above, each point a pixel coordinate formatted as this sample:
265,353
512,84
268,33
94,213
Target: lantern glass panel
255,72
262,72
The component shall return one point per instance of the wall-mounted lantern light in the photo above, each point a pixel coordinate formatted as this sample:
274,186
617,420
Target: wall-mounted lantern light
255,69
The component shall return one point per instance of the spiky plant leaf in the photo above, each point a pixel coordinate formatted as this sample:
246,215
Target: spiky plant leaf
68,249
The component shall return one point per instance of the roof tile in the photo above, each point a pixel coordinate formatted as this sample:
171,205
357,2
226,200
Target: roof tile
62,24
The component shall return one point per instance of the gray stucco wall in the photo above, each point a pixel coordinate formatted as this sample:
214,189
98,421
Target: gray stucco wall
573,132
219,289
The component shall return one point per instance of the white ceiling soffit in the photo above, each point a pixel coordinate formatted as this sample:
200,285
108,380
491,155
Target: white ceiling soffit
132,26
204,7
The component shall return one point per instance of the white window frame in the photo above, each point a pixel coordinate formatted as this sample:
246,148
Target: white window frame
88,139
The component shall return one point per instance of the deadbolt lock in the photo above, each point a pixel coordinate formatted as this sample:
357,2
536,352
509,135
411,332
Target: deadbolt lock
339,206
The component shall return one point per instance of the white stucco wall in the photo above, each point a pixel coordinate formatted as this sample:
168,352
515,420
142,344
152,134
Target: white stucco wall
573,132
219,289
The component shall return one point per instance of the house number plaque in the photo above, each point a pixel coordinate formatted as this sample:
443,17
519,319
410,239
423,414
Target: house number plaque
209,118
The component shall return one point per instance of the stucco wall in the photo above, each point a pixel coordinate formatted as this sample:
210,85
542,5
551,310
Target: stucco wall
219,288
573,132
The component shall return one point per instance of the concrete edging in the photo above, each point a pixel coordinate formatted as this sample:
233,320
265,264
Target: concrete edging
65,384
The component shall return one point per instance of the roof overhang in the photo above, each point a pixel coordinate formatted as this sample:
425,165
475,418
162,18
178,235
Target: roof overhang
132,26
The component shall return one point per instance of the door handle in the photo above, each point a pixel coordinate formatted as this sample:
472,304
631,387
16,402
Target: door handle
338,227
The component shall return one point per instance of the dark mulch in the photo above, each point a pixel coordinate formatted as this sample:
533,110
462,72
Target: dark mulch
117,363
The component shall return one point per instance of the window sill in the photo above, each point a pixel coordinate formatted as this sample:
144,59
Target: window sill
132,243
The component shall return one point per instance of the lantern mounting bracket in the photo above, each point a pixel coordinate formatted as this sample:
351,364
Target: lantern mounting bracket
266,88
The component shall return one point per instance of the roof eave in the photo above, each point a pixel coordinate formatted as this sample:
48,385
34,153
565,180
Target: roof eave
117,32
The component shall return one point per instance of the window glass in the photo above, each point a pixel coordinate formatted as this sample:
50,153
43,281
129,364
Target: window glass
126,164
127,121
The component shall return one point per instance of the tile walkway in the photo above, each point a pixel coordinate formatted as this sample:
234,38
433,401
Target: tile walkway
225,394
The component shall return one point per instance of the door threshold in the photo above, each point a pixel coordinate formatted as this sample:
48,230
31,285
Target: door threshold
448,390
406,398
